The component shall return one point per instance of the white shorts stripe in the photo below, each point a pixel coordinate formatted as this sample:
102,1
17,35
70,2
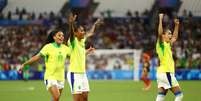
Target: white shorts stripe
166,80
78,82
50,83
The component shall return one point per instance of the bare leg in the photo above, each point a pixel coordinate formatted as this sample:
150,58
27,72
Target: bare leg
54,91
77,97
177,92
85,96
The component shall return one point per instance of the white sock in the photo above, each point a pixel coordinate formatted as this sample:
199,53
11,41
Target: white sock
160,97
179,97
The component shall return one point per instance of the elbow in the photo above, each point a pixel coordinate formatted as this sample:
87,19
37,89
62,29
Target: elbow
89,34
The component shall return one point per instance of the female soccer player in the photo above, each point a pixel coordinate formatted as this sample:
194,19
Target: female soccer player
54,53
77,77
166,71
145,72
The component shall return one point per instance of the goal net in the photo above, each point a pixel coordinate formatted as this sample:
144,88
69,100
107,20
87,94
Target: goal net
115,60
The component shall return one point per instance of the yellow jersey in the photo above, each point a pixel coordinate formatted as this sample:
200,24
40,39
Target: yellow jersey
55,57
164,52
78,55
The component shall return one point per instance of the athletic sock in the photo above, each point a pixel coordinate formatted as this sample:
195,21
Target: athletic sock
160,97
178,96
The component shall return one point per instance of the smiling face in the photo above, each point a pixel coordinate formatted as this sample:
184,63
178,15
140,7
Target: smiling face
167,35
59,37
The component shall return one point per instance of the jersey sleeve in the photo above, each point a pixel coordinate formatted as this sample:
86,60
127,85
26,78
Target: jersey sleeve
44,51
71,43
68,50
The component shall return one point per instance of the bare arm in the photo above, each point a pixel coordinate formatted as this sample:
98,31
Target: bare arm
160,26
30,61
176,30
91,31
72,19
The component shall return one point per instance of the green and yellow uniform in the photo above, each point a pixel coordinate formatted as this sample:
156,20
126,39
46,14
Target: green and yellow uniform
164,52
77,77
55,56
78,56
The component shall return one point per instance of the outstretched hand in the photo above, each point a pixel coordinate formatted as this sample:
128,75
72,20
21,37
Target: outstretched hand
161,15
176,21
72,18
20,69
98,22
90,50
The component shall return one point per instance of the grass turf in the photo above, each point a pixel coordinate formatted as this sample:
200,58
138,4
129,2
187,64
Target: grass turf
108,90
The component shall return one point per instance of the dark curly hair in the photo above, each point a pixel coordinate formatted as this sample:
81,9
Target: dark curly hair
50,38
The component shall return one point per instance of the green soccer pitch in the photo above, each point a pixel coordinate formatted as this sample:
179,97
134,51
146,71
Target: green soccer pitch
101,90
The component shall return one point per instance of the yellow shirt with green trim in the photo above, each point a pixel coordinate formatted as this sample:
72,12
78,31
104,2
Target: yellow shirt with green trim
164,52
55,57
78,55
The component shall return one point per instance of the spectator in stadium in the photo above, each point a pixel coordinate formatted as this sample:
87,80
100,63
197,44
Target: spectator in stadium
117,33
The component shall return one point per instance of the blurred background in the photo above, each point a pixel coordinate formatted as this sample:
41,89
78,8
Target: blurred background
129,30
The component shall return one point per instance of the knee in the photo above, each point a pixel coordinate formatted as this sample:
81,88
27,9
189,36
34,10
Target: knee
85,96
56,98
162,93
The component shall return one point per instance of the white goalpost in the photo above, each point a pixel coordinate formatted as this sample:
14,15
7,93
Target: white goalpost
115,59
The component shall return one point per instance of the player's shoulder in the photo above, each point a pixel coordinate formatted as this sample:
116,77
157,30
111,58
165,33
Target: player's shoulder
64,46
47,45
45,49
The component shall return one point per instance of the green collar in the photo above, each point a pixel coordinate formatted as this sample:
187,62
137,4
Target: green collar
56,45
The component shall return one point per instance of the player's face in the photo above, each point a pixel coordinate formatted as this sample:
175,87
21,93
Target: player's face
167,36
59,37
80,32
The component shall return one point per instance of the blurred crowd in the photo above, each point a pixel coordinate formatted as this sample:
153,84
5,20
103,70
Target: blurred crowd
18,43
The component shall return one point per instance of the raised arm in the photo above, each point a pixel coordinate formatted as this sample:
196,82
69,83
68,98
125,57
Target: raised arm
71,20
160,26
91,31
176,30
30,61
